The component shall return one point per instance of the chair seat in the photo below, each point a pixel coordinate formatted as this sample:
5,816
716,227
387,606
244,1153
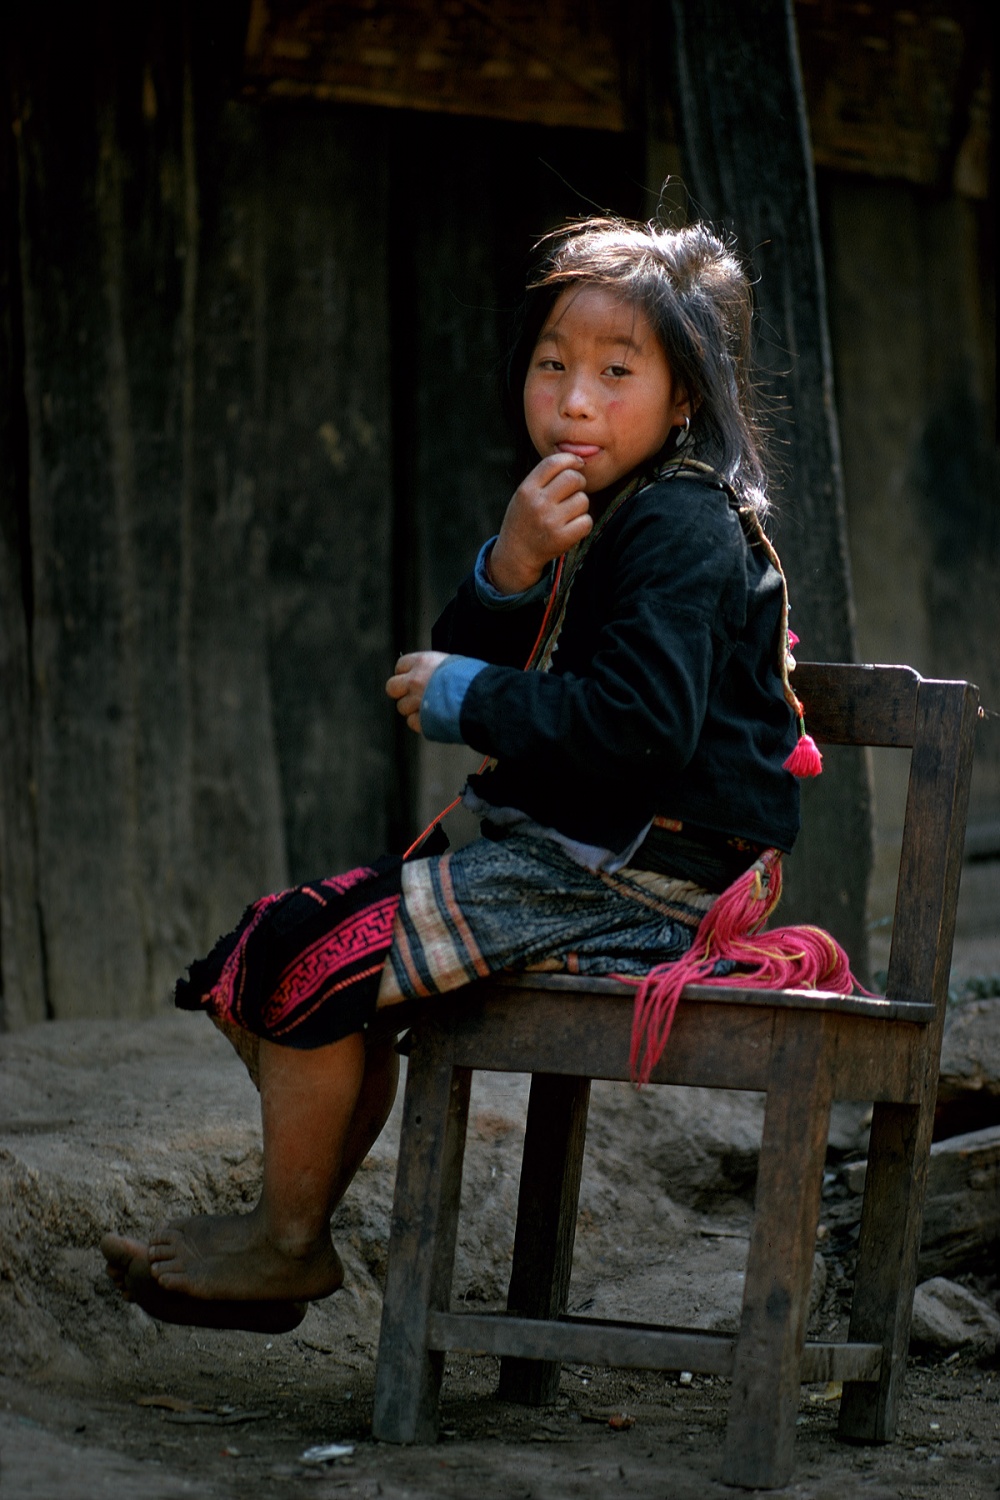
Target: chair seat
878,1006
721,1037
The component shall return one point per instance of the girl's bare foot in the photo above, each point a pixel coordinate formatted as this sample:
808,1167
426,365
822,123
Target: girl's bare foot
130,1270
320,1110
235,1258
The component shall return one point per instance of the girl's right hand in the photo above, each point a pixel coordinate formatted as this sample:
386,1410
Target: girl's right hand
548,513
408,683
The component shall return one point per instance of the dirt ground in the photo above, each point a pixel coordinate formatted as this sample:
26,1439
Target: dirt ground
119,1124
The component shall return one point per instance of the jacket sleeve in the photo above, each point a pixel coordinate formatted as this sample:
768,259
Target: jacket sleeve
676,602
471,625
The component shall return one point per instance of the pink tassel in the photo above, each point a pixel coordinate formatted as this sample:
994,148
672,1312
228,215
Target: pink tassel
805,759
793,640
789,958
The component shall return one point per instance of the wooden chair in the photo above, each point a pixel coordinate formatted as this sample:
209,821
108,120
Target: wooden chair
802,1048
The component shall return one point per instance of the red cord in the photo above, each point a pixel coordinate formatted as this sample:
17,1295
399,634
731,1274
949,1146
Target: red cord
553,591
434,823
556,578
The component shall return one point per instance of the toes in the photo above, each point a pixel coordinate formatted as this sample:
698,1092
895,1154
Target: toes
170,1269
163,1268
127,1263
162,1246
121,1252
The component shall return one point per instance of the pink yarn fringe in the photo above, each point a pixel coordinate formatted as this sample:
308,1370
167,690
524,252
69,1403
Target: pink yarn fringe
805,759
788,958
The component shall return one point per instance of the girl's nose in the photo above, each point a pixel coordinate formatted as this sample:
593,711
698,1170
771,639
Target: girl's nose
576,400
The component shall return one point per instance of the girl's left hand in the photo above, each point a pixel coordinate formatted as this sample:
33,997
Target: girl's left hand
409,683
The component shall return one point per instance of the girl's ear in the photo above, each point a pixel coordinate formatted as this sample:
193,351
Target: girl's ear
681,412
682,408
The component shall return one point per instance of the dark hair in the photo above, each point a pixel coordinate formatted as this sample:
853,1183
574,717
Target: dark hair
696,295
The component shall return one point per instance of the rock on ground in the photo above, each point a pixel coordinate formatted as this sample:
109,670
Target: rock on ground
949,1316
969,1085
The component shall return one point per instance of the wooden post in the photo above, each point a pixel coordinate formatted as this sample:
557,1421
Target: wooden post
422,1241
740,114
767,1369
898,1150
546,1223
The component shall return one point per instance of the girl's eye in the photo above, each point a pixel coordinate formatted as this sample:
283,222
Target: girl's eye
549,364
618,370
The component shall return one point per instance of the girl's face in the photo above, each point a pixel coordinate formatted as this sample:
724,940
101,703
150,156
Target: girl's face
599,386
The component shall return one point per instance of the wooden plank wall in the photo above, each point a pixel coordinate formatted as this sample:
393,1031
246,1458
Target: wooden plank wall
258,444
205,368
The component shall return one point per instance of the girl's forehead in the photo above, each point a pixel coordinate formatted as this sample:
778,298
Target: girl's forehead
596,312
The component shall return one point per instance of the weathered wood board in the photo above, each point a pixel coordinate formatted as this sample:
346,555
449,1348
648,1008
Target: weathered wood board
22,985
208,532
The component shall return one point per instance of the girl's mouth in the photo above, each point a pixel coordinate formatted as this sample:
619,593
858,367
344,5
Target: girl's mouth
582,450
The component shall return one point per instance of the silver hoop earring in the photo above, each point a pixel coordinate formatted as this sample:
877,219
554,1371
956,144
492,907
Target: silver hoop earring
684,433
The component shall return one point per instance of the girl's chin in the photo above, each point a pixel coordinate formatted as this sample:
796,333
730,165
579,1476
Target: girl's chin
601,477
602,487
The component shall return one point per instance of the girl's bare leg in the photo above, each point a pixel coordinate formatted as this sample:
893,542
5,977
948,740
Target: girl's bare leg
321,1111
374,1105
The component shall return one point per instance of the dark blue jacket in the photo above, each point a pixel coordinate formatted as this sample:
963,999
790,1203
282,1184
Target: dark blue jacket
663,696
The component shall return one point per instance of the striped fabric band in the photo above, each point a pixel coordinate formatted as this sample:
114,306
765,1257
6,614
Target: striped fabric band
523,903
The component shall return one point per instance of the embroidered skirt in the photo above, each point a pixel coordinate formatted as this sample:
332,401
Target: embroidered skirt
313,964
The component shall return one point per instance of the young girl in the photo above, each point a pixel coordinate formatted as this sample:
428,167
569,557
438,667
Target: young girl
619,656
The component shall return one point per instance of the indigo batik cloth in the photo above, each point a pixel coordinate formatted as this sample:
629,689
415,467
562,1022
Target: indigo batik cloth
524,903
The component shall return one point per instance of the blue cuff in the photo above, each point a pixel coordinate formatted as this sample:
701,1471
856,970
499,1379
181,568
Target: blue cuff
441,707
492,597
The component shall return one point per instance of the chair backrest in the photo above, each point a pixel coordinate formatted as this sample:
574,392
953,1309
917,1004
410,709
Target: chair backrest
848,704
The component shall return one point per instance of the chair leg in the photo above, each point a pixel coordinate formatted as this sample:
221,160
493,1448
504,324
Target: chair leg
546,1224
888,1249
421,1242
766,1373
